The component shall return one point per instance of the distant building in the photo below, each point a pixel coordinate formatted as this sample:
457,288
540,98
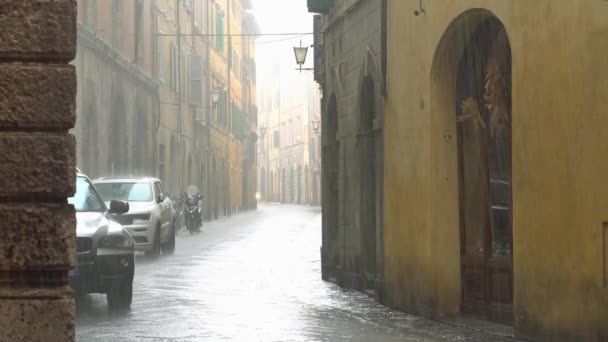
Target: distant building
117,98
146,73
288,162
349,66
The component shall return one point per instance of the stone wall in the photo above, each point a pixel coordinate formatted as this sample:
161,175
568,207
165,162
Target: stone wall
37,169
118,112
353,52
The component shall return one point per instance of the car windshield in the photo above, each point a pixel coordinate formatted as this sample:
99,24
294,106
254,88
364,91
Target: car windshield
125,191
86,199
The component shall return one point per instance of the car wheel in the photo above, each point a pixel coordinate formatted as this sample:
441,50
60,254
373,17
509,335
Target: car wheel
120,295
155,252
169,246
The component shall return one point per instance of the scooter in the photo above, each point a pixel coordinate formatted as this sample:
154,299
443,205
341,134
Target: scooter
193,205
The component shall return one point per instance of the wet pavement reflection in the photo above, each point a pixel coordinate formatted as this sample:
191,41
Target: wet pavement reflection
253,277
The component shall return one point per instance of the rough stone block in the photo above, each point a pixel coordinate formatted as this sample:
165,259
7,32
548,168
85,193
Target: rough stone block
37,96
37,164
37,320
38,29
37,237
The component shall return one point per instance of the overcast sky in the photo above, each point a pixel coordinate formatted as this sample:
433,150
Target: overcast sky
283,16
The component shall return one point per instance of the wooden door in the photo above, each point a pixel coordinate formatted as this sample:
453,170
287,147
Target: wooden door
484,154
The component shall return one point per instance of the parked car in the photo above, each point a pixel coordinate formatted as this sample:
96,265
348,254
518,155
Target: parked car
105,251
150,217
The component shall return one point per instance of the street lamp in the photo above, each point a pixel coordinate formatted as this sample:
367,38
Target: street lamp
215,97
300,53
316,125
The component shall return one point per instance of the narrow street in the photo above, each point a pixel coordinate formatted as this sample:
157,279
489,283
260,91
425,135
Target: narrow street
253,277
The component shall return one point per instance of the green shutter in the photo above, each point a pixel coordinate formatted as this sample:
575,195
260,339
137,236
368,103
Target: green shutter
219,22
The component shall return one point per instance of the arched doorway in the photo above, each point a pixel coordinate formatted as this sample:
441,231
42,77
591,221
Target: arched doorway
263,191
315,188
173,165
291,184
368,191
271,187
215,188
306,186
299,184
283,186
189,171
330,162
471,92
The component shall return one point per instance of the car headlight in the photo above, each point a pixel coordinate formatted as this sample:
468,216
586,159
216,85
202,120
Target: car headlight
120,240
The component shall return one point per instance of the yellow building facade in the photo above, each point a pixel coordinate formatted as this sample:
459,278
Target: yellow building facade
495,164
232,64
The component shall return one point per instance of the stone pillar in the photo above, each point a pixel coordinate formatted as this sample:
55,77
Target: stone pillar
37,169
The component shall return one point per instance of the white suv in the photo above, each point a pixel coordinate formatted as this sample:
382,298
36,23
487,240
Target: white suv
150,216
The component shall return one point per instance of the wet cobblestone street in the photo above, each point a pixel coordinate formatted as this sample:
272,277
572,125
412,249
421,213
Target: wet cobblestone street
253,277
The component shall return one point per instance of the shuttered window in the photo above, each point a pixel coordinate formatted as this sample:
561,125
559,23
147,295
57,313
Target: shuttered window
219,31
196,83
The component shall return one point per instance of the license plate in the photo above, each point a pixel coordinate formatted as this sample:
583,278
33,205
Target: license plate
73,272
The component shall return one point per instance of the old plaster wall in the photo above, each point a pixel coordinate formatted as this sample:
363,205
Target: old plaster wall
559,82
37,169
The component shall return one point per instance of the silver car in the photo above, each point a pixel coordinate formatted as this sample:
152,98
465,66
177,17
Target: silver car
105,251
150,217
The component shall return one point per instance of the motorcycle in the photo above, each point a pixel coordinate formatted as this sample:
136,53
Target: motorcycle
193,205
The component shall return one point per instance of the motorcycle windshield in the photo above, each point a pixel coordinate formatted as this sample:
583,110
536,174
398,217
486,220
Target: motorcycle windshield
192,191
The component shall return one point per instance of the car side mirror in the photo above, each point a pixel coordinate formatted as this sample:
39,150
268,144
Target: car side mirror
161,197
118,207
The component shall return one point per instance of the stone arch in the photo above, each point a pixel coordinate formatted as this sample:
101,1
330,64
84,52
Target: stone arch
283,186
173,164
263,190
370,155
464,139
213,196
292,184
369,190
306,185
330,188
299,184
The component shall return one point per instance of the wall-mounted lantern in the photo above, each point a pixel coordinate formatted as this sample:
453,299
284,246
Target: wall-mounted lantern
316,125
300,53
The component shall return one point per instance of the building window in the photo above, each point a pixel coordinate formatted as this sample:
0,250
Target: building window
174,65
117,24
196,80
275,139
219,31
212,28
161,162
